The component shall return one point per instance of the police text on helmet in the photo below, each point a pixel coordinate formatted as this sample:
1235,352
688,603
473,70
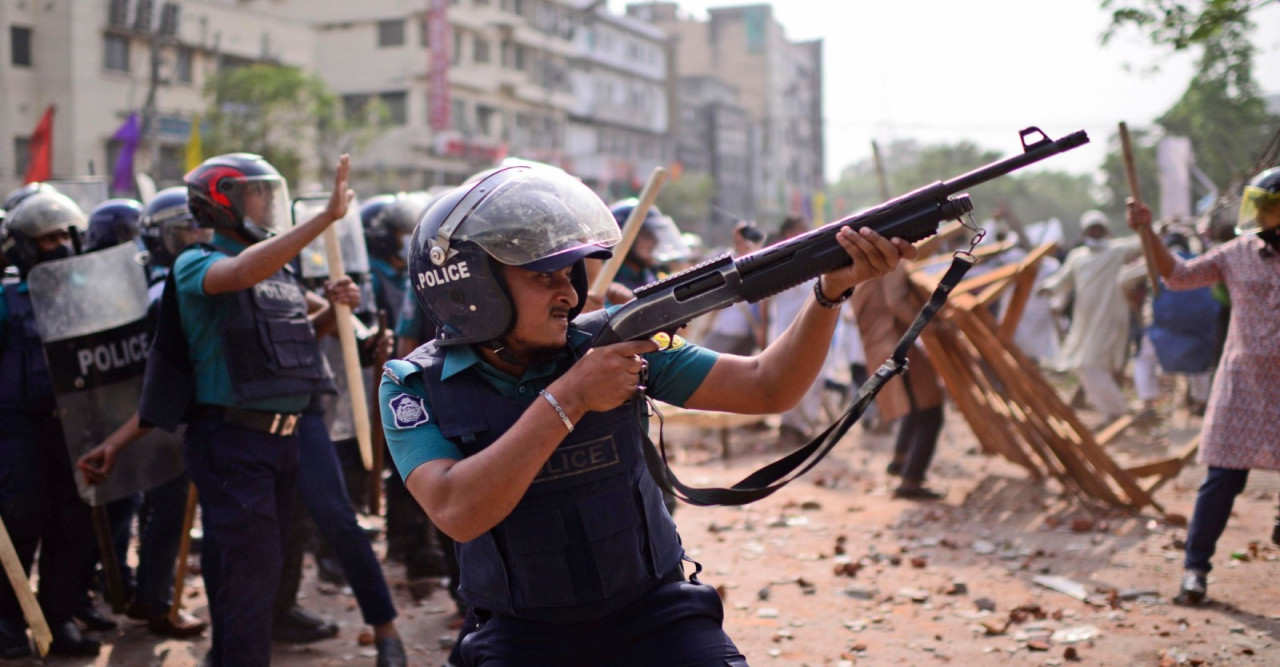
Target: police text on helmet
444,274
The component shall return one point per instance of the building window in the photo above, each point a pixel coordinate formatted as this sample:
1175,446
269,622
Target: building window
397,107
484,119
20,147
354,107
480,50
391,33
455,56
182,66
172,163
116,53
457,115
20,46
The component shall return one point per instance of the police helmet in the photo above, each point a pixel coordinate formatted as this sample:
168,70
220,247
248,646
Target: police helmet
1262,193
239,191
535,217
42,212
669,245
388,218
15,197
112,222
167,226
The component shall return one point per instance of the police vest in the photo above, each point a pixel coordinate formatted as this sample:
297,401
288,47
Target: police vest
24,376
590,536
269,344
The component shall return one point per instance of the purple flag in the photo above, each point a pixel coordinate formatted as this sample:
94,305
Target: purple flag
127,135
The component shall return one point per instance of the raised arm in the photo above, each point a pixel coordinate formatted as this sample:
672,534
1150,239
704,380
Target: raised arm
781,373
261,260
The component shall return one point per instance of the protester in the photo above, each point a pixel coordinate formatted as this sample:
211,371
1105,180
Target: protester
524,445
1239,426
884,310
1096,346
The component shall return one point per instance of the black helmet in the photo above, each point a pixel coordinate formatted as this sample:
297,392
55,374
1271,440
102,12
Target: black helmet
167,226
535,217
388,219
239,191
112,222
42,212
1263,192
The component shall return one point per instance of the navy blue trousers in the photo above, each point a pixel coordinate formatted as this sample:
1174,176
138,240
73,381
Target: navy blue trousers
1214,501
323,492
41,507
678,624
247,483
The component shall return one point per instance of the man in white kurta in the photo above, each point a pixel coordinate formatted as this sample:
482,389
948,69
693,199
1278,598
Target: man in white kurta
1096,342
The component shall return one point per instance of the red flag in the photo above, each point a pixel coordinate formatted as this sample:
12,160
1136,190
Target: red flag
40,150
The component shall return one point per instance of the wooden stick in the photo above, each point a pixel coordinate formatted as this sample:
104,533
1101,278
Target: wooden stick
184,549
630,230
107,554
1131,175
22,590
379,440
350,355
881,177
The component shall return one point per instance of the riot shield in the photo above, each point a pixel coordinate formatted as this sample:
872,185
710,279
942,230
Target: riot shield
92,314
355,257
88,191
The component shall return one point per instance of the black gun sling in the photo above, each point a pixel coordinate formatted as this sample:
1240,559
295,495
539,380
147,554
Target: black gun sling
783,471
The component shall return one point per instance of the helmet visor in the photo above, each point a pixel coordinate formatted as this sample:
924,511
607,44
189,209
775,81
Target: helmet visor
263,201
670,246
178,229
1259,209
525,220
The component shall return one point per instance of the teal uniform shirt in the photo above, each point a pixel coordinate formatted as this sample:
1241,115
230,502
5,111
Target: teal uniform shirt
203,320
674,375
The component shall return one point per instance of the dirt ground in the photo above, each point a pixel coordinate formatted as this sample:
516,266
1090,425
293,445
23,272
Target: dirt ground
833,571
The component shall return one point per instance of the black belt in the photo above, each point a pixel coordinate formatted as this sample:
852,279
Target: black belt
272,423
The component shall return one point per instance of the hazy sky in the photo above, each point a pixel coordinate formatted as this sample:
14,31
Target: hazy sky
945,71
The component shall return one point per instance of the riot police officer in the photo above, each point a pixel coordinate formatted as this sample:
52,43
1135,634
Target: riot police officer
256,365
166,227
38,498
572,558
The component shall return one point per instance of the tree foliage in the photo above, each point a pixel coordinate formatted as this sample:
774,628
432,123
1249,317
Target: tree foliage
1030,195
282,114
1222,111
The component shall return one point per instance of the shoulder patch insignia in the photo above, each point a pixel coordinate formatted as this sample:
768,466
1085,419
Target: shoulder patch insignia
408,411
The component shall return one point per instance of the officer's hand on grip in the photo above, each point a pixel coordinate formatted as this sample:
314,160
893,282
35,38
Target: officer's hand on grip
97,463
873,256
340,197
605,377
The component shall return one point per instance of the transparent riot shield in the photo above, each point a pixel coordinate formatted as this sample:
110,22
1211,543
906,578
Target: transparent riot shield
92,314
355,257
88,191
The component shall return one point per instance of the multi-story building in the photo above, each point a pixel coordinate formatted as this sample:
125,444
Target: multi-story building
559,81
716,137
622,82
779,83
96,67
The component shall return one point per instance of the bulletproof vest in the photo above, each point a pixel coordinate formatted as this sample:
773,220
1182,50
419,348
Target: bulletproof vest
24,376
269,344
590,536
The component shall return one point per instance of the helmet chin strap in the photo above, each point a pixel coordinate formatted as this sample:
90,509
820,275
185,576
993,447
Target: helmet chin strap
499,348
253,232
